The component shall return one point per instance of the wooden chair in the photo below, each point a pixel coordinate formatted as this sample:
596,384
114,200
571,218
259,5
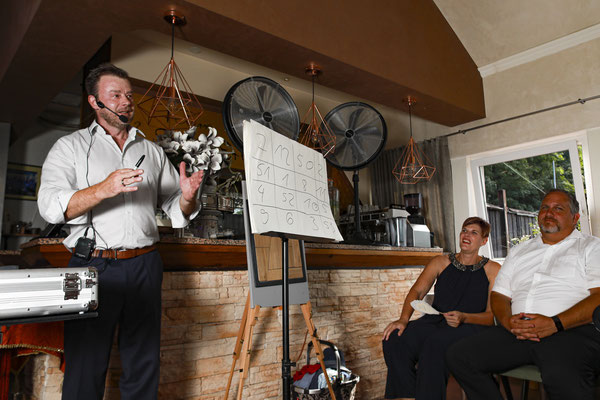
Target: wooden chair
526,373
532,373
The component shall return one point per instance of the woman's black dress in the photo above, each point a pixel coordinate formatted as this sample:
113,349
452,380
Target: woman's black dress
424,341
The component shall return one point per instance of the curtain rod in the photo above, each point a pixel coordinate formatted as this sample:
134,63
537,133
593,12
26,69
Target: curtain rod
578,101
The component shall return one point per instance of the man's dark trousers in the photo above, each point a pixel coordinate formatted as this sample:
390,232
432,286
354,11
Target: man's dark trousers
569,361
129,297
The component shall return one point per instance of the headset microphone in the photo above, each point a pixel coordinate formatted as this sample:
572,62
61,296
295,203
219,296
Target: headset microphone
122,118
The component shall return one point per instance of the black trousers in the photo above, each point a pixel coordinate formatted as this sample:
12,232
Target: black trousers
129,297
569,361
424,341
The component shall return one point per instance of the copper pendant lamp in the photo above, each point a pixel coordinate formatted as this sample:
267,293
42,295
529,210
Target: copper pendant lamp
317,134
413,166
171,103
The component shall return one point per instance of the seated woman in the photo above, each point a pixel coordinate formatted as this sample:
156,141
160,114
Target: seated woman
464,281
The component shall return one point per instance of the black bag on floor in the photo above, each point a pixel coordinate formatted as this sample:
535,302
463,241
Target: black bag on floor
344,387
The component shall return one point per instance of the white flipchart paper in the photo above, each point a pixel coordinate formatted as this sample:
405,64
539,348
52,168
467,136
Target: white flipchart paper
287,186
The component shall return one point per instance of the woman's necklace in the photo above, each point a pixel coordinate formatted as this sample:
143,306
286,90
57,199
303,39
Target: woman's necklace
464,267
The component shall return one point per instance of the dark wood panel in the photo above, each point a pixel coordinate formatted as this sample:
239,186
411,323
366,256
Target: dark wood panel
186,257
340,258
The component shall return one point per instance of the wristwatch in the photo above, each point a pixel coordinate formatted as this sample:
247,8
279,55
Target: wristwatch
558,323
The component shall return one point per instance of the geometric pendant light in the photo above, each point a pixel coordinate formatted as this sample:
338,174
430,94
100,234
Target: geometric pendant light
413,166
171,103
317,134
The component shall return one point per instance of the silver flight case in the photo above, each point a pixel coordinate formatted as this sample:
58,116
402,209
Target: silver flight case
38,292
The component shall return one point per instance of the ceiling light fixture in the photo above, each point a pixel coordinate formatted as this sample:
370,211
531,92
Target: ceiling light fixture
413,166
172,104
317,134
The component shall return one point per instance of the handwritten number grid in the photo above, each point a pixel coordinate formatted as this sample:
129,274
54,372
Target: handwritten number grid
287,185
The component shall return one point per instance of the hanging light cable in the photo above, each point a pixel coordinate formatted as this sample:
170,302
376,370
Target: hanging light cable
413,166
172,104
317,134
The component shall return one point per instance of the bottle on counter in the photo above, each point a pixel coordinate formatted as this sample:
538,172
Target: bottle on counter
334,200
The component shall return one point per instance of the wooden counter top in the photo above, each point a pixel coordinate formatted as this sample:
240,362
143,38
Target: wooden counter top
181,254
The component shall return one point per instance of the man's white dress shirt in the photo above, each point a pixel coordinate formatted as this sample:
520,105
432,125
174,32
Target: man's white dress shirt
549,279
126,221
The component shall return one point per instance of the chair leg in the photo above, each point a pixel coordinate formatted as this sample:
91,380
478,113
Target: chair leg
525,390
506,386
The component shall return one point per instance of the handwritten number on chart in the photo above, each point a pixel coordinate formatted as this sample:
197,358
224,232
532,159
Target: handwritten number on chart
315,226
262,140
288,198
263,169
265,215
319,192
280,149
261,190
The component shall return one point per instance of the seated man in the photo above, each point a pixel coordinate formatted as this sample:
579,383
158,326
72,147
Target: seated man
543,300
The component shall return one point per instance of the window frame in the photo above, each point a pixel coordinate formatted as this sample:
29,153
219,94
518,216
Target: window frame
533,149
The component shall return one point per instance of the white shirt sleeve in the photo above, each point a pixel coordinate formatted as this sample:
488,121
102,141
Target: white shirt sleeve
58,184
504,277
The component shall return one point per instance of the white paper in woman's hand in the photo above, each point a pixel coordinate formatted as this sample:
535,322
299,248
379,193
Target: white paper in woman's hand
424,307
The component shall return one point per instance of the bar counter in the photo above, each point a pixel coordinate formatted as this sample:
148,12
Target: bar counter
195,254
355,292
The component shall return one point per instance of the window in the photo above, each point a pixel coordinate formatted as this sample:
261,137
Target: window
509,184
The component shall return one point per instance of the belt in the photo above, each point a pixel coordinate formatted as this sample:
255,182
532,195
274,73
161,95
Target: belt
117,254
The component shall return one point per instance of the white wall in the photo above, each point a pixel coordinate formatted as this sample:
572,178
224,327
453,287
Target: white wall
566,76
31,151
593,139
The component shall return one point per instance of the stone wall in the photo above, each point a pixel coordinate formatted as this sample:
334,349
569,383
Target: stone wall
201,317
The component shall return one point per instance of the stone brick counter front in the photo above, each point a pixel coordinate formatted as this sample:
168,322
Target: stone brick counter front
202,312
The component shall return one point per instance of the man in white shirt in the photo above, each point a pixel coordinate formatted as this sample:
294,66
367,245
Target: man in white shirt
543,300
106,181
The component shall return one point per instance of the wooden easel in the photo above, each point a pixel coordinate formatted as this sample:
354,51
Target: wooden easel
243,346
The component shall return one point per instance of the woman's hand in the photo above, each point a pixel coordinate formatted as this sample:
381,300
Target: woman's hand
454,318
400,325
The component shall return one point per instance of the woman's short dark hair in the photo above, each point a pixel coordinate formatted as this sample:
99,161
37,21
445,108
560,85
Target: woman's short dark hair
91,81
483,224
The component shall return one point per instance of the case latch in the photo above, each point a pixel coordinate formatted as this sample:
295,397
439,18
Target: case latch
72,286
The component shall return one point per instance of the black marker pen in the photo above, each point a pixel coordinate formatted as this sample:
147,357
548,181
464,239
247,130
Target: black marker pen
139,162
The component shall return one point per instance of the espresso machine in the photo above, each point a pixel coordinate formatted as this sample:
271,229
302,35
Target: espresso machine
395,222
417,232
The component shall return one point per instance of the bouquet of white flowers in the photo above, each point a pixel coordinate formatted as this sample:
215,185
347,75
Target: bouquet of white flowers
202,153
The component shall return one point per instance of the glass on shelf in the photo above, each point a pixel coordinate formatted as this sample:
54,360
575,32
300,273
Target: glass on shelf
334,200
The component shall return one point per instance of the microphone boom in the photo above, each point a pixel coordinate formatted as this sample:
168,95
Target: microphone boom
122,118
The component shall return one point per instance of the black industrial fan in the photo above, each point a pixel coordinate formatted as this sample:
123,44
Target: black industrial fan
360,133
264,101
